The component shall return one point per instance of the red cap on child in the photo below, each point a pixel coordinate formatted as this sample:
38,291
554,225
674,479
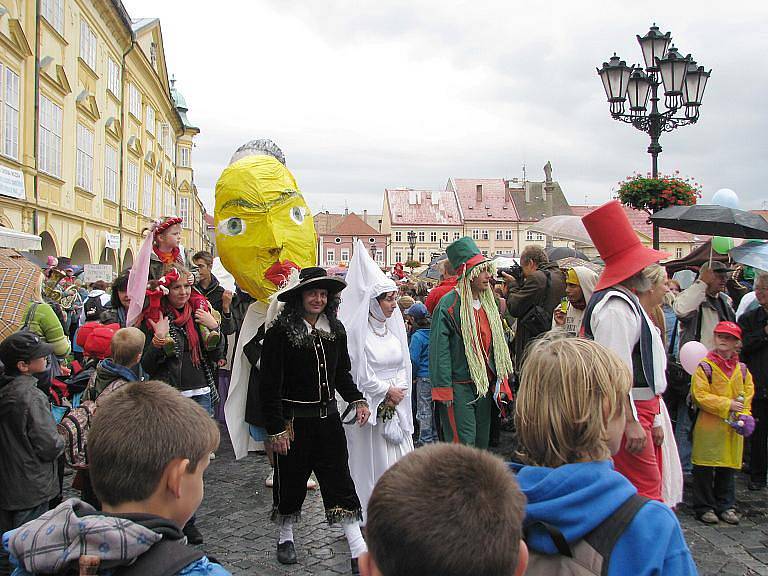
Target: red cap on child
97,343
728,328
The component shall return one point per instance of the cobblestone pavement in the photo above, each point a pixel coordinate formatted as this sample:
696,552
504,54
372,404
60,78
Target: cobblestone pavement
234,519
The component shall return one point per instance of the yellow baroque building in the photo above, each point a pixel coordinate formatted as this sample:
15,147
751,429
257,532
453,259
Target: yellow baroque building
94,137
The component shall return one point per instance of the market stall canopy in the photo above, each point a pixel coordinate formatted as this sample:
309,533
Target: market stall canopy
563,227
712,220
695,259
753,253
19,240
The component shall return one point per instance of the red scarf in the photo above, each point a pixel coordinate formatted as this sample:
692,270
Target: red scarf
168,257
727,365
186,319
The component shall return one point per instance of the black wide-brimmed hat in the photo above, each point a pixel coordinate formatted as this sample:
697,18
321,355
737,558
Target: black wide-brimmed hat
312,278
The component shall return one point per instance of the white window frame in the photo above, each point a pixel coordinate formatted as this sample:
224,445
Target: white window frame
456,236
475,234
49,144
532,236
113,77
165,136
110,173
146,193
499,234
398,236
150,123
485,235
87,44
53,12
330,256
344,255
84,160
678,253
507,234
422,237
433,237
9,96
132,186
445,236
185,157
158,193
184,212
379,256
134,101
398,256
422,256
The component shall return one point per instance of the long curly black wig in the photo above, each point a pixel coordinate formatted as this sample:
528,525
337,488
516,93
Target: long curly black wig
291,319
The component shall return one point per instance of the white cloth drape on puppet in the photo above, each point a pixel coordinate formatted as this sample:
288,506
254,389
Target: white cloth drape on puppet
378,350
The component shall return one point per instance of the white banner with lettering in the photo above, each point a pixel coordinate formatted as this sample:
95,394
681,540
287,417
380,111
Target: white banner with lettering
93,272
112,240
12,183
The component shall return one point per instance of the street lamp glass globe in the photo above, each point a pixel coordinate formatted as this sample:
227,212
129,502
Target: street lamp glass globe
654,45
695,82
615,74
638,89
673,68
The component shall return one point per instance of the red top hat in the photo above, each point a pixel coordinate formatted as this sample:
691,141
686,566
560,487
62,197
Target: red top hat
618,245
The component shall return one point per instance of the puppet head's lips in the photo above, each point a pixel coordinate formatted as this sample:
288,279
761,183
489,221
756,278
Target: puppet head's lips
279,271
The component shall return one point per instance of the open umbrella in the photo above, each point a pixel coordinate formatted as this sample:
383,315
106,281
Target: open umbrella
754,253
18,278
564,227
571,262
712,220
560,252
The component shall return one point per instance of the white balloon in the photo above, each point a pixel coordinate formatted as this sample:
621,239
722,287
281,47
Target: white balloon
726,197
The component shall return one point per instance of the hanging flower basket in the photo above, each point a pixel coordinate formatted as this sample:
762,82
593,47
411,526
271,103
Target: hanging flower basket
652,194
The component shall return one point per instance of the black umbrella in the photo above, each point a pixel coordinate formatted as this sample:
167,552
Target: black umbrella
560,252
712,220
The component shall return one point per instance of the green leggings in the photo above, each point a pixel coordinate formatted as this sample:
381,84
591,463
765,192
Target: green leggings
472,417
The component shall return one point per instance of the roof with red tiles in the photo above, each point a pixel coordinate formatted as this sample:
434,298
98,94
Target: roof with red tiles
639,221
353,225
408,207
208,220
326,221
484,199
763,213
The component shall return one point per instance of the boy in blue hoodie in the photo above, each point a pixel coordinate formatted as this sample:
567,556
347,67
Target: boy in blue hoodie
419,347
148,448
566,446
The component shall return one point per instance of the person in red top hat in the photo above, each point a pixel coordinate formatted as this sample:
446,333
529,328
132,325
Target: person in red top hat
615,318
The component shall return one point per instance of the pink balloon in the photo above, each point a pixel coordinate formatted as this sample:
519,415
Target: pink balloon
691,353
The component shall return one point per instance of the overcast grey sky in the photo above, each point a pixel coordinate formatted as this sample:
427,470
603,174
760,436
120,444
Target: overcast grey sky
367,95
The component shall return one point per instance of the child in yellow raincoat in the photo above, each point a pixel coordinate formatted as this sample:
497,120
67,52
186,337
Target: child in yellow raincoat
722,389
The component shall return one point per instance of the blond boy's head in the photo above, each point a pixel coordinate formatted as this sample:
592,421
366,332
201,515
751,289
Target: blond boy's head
148,447
126,346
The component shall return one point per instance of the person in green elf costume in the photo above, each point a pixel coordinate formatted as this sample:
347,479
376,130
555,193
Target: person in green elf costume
469,360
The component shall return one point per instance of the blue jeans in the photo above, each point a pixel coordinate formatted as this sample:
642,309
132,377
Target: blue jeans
683,437
427,433
205,401
11,519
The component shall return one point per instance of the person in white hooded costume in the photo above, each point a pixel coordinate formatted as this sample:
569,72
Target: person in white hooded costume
579,285
381,369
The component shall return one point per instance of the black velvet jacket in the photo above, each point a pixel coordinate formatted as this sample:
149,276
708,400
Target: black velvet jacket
303,374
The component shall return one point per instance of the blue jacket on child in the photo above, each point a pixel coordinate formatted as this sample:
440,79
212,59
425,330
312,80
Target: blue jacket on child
419,348
576,498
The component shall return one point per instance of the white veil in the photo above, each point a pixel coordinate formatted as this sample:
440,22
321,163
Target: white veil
365,281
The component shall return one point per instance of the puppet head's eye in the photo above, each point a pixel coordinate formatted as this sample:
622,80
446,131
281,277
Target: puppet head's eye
232,226
297,215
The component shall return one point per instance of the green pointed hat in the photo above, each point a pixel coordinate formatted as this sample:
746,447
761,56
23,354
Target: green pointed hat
464,255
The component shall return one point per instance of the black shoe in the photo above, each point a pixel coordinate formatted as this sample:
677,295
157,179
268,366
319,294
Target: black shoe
755,486
286,553
193,534
355,567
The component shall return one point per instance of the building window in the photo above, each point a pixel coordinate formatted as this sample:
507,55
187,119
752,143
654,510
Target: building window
158,199
172,150
113,77
330,257
380,256
146,195
165,136
475,234
433,236
398,256
110,173
398,236
345,255
184,154
678,253
485,253
84,171
50,137
170,202
485,235
499,234
421,236
534,236
53,11
507,234
87,45
10,111
132,187
456,236
150,123
445,236
134,101
184,212
422,256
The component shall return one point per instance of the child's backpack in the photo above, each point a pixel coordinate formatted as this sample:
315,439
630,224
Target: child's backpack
75,425
93,309
591,555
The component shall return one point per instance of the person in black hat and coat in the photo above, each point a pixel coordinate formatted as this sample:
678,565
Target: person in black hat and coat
304,362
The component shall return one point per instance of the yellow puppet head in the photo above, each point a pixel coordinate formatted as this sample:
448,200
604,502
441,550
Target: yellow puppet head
263,224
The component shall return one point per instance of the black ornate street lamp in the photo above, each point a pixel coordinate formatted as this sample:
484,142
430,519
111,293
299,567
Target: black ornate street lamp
683,82
411,242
